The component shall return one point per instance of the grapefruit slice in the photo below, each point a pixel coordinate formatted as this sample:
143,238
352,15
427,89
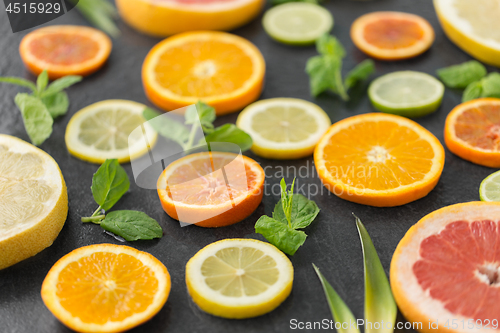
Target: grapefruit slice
472,131
169,17
211,189
447,269
392,35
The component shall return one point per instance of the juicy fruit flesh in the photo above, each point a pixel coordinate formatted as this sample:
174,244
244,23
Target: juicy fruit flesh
63,49
284,124
406,90
203,181
106,287
295,22
109,129
392,33
482,16
22,193
203,68
378,155
480,126
460,266
240,271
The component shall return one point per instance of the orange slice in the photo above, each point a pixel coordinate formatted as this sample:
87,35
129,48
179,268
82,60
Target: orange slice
223,70
65,50
392,35
472,131
211,189
379,160
106,288
446,270
169,17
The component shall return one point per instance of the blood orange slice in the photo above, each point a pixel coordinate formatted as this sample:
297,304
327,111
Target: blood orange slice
392,35
447,269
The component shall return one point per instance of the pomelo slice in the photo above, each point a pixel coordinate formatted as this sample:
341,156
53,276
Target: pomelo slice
447,269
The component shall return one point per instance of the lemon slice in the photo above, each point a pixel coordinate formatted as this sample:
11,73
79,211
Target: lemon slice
105,130
473,26
284,128
33,200
239,278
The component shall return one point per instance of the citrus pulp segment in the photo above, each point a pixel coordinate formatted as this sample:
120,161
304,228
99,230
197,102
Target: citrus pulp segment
297,23
221,69
379,160
211,189
446,269
284,128
406,93
106,288
106,130
65,50
33,200
472,131
239,278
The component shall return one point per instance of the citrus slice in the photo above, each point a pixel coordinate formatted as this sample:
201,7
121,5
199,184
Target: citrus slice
406,93
65,50
297,23
472,26
106,288
33,200
472,131
221,69
379,160
211,189
239,278
170,17
105,130
446,269
490,188
392,35
284,128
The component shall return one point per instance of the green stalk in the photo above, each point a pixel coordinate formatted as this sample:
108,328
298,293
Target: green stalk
94,219
192,134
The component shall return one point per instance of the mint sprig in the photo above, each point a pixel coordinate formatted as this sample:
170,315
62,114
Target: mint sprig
461,75
292,212
101,14
43,104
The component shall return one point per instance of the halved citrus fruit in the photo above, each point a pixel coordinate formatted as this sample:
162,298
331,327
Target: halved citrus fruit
472,131
106,288
379,160
284,128
239,278
108,129
33,200
65,50
211,189
170,17
472,26
221,69
446,269
392,35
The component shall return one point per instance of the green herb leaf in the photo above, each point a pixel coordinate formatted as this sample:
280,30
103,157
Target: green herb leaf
109,184
491,85
37,119
57,104
19,82
462,75
232,134
101,14
340,311
280,234
304,211
60,84
379,301
359,73
132,225
42,81
329,45
473,91
206,114
166,127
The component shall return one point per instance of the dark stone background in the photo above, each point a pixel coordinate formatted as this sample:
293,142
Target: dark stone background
333,243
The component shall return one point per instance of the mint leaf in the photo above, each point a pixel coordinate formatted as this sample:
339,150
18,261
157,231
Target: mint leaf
37,119
57,104
321,71
304,211
359,73
232,134
329,45
132,225
60,84
206,114
167,127
473,91
109,184
280,234
18,82
462,75
42,81
491,85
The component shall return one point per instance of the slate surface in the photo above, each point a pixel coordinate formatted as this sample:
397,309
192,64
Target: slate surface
333,243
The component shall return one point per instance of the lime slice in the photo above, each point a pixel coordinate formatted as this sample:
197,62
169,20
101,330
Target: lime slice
297,23
490,188
406,93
